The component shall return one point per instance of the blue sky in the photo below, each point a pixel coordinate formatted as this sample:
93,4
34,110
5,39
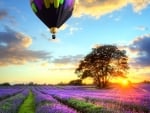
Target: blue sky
27,53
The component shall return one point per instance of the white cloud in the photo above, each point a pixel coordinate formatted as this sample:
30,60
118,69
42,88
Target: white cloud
139,5
141,28
56,40
63,27
73,29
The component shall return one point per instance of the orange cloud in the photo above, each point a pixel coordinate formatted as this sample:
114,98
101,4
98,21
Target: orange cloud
98,8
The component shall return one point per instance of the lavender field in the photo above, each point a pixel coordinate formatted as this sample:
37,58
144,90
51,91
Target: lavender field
75,99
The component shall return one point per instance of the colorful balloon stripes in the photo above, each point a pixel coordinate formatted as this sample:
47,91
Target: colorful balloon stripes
38,4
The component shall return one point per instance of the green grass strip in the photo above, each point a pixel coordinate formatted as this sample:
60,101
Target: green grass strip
28,105
85,107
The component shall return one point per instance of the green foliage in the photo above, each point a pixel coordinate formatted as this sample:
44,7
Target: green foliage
85,107
28,105
6,106
5,84
75,82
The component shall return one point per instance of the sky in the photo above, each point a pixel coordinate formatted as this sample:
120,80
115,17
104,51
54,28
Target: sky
27,52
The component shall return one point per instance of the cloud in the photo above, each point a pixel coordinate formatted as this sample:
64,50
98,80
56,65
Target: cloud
140,46
98,8
44,64
56,40
68,59
63,27
14,48
141,28
65,63
72,28
95,46
62,68
3,14
138,5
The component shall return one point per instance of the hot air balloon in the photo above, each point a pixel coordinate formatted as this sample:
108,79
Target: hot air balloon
53,13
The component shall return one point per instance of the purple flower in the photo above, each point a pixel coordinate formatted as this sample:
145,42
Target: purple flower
54,108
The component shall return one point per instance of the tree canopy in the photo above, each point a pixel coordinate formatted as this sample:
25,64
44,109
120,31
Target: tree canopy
102,63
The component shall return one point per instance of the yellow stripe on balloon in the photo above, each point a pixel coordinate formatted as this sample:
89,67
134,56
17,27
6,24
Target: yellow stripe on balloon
56,3
51,1
47,3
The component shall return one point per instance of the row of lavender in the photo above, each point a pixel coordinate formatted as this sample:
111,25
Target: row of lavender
133,99
6,91
47,104
12,103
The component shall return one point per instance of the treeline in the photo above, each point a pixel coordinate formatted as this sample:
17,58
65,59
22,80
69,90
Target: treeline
72,82
146,81
76,82
22,84
5,84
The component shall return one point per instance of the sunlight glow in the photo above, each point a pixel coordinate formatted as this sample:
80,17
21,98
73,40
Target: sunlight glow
125,82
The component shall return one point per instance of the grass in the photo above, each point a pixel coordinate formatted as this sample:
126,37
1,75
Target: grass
28,105
85,107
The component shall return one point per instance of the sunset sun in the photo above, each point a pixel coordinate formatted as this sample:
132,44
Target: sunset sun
125,82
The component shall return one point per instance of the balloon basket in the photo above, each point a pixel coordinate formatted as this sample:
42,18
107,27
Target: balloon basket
53,37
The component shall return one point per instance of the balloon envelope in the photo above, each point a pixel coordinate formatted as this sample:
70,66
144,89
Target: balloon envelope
53,13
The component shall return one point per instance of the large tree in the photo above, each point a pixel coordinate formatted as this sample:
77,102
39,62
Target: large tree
103,63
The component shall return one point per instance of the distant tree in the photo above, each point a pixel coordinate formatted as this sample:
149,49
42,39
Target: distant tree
61,83
19,84
5,84
30,83
146,81
75,82
103,63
